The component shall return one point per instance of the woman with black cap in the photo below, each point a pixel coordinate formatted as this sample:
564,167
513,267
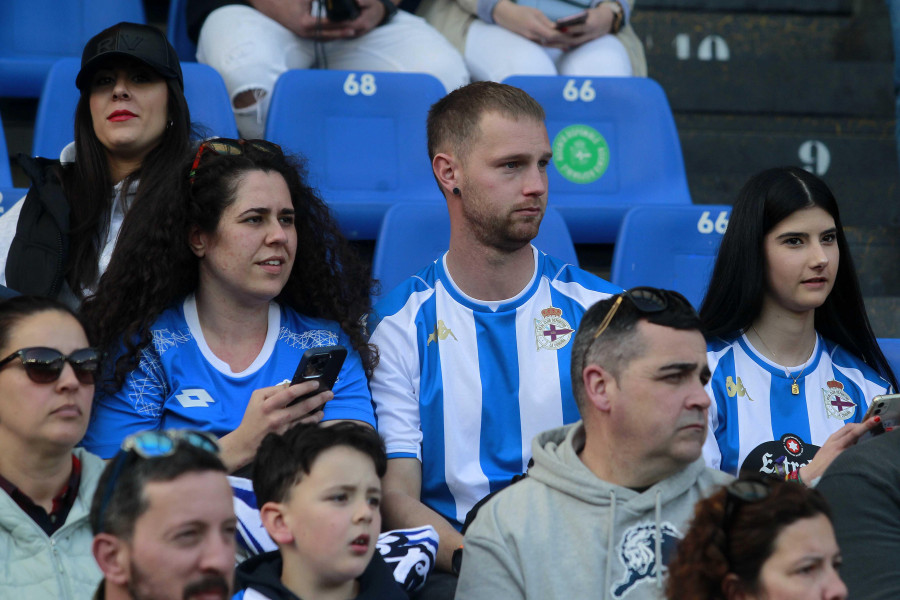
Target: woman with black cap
132,126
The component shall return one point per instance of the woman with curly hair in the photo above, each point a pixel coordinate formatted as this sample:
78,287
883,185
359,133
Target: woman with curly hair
213,295
756,539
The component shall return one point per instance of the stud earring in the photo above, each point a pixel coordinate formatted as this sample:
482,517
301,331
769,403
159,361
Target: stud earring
456,191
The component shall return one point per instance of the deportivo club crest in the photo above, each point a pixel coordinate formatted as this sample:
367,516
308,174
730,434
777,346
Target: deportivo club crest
552,332
837,403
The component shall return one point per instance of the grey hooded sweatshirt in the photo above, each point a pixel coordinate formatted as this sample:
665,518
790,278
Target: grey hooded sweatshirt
564,533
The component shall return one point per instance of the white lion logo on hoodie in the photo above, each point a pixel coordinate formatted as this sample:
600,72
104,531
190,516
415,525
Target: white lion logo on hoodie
638,553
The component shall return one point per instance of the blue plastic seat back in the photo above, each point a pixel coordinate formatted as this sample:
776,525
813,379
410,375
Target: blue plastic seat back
614,146
890,347
9,196
670,247
34,34
54,125
414,235
364,136
5,175
176,31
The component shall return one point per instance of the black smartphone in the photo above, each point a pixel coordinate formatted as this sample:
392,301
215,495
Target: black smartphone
319,364
341,10
576,19
888,408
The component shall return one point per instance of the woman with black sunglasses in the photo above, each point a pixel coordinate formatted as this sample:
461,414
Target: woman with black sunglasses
795,363
217,289
47,372
756,539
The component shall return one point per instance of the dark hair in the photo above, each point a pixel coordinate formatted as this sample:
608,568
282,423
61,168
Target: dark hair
17,308
738,282
127,502
153,265
88,182
283,460
712,548
453,120
619,344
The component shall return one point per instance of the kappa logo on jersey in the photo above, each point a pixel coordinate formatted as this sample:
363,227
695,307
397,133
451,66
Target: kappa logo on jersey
552,332
837,403
736,389
441,332
196,397
638,554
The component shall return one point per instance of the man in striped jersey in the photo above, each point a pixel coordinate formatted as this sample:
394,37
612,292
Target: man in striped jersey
475,348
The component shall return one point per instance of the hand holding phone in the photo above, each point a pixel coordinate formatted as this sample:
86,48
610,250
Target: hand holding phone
887,407
319,364
576,19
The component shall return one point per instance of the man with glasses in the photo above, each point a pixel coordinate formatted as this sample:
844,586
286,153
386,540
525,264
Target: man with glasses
475,347
163,520
608,497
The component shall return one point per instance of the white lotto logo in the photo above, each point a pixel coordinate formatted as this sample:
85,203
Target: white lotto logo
195,397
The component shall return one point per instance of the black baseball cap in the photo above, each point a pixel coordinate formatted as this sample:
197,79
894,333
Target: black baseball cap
142,42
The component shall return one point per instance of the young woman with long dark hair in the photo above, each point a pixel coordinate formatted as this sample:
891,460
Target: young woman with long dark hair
793,356
132,125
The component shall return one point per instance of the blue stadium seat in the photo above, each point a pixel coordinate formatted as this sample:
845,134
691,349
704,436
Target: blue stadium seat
176,31
54,125
413,235
364,136
5,175
34,34
891,349
614,146
671,247
9,196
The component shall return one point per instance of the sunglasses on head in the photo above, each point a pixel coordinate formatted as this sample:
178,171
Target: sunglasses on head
44,365
647,300
740,492
154,444
230,147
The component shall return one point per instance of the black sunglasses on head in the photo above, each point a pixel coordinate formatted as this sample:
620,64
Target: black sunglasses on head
44,365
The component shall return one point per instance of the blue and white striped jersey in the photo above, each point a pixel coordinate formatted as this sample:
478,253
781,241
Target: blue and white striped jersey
464,385
180,384
754,418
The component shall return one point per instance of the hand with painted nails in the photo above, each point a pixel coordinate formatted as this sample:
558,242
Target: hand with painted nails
836,443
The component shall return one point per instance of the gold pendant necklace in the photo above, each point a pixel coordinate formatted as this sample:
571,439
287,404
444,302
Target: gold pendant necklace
795,387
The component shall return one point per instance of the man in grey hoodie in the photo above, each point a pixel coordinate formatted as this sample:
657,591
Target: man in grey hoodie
608,497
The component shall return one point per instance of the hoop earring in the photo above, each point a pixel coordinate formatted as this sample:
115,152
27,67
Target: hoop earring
456,191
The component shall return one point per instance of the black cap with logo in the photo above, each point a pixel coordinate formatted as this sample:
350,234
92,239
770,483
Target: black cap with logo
142,42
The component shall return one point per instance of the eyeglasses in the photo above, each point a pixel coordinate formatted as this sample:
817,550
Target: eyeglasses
230,147
154,444
44,365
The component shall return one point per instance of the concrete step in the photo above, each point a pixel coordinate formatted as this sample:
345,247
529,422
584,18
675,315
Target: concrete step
856,157
723,36
767,6
777,86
